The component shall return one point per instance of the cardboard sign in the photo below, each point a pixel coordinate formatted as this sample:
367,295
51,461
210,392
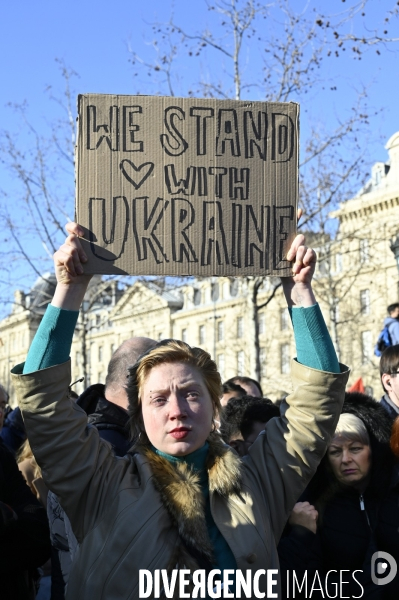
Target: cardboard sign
173,186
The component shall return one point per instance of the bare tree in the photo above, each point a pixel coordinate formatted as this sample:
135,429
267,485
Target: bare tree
293,45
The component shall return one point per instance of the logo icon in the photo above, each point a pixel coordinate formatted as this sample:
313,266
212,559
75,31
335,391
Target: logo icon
383,568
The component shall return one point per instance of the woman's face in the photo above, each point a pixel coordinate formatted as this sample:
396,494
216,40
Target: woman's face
177,408
350,461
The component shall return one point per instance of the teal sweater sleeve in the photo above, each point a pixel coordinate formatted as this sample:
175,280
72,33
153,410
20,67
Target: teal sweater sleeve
313,342
53,340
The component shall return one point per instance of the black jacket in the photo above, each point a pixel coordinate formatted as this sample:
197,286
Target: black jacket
24,531
351,527
389,407
109,419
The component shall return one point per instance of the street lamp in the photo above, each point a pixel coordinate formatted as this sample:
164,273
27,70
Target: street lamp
395,249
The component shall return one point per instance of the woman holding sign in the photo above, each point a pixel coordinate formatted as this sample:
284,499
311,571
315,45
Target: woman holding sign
181,514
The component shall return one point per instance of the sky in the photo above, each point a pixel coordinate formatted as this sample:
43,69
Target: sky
93,39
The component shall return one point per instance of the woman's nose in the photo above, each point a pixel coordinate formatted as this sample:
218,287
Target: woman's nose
346,456
176,407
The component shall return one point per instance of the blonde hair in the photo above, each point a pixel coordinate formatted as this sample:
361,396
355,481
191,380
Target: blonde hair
352,429
169,351
26,453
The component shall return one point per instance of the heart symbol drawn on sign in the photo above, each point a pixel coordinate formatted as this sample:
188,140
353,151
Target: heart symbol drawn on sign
128,169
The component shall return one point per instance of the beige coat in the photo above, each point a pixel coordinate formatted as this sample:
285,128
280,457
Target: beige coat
130,514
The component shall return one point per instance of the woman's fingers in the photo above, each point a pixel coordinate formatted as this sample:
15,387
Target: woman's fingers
75,228
70,256
298,241
299,214
76,232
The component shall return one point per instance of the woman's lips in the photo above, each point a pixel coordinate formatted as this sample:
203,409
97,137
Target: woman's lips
349,471
180,433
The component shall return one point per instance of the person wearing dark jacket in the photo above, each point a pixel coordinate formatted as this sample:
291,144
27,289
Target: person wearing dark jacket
389,371
349,510
24,532
106,409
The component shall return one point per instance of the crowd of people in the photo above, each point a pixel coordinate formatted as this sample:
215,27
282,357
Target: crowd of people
164,467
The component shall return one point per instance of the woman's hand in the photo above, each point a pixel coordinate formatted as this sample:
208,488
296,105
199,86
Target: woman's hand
298,288
304,514
69,259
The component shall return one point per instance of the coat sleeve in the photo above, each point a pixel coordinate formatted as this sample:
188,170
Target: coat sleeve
76,464
285,456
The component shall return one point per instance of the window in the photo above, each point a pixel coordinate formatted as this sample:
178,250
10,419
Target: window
367,347
262,323
215,292
77,359
160,336
284,319
184,336
234,288
226,290
112,349
240,327
220,331
285,358
338,263
98,320
364,251
324,263
201,334
92,352
365,302
262,360
100,354
221,365
197,297
240,362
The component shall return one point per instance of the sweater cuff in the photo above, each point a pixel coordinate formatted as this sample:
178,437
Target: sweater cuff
313,342
53,340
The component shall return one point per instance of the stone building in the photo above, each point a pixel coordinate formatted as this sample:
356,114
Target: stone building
18,329
362,268
355,281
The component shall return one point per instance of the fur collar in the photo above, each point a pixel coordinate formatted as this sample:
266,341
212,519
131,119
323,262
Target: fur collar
180,491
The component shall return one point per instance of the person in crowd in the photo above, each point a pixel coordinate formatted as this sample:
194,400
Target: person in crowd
12,429
171,502
3,405
32,474
389,371
393,322
243,419
349,510
251,386
24,533
106,407
231,390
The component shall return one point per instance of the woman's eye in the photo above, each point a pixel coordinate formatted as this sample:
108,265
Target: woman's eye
158,401
192,395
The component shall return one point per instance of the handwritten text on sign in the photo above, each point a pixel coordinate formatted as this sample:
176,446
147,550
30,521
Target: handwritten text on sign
187,186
